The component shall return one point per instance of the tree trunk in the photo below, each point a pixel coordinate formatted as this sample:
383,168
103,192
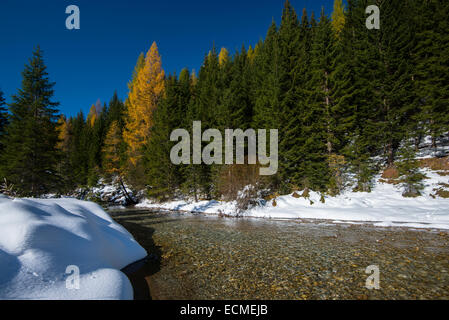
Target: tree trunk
130,199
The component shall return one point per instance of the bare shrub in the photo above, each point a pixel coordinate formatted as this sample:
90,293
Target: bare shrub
235,177
242,183
7,189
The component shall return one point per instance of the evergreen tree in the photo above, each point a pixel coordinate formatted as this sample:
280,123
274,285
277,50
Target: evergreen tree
79,159
266,82
431,74
357,97
205,94
116,112
163,176
408,167
30,157
318,119
3,120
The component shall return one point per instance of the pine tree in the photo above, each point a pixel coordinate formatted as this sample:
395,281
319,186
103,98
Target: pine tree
295,40
431,74
266,82
30,157
116,112
79,159
163,175
396,75
3,120
318,121
408,168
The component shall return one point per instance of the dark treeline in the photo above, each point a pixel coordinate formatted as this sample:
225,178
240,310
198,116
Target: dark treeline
348,101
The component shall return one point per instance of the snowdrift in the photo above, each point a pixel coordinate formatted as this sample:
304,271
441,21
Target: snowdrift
41,241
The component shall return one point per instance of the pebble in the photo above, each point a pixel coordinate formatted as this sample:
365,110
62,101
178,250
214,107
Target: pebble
212,258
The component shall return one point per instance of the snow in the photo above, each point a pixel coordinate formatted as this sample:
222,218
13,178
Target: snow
384,206
40,238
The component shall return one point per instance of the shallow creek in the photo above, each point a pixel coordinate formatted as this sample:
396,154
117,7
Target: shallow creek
205,257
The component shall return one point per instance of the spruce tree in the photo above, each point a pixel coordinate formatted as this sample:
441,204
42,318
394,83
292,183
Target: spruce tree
318,119
30,157
79,150
163,175
205,106
431,74
266,82
3,120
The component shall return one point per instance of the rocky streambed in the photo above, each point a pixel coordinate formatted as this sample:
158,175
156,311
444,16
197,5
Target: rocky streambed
203,257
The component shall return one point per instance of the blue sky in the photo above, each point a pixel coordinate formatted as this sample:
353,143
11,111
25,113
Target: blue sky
90,63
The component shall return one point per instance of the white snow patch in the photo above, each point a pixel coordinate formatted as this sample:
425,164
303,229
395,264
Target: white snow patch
40,238
384,206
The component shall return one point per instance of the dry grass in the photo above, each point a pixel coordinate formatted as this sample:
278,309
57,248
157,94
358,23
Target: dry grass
441,164
442,193
390,181
390,173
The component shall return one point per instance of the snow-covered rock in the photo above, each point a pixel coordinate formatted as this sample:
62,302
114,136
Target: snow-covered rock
107,193
43,243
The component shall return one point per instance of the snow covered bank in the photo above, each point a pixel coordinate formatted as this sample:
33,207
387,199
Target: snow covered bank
40,239
384,206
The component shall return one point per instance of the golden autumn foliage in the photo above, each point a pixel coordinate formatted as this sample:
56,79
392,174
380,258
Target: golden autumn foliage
338,17
92,117
146,91
111,150
63,134
251,54
223,57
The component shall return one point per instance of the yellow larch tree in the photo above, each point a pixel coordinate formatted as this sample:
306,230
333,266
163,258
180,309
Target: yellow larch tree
63,134
223,56
143,98
251,54
111,150
92,117
338,17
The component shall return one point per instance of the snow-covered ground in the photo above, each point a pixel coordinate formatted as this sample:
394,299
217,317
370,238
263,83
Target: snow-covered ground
384,206
43,242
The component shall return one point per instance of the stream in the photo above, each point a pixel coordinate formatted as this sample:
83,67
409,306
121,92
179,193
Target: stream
207,257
